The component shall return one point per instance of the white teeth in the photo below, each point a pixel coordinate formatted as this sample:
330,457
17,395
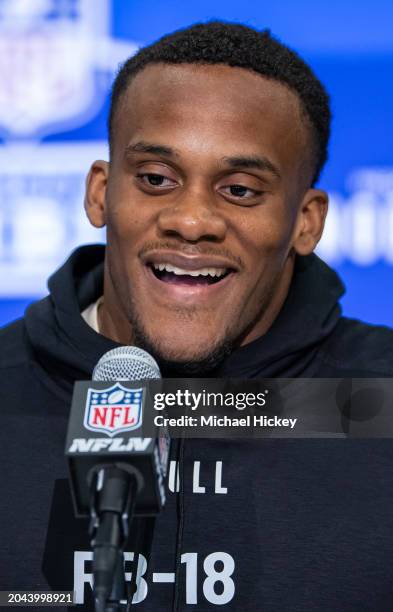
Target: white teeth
181,272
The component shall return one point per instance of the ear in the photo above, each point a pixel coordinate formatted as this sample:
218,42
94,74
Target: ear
96,184
311,221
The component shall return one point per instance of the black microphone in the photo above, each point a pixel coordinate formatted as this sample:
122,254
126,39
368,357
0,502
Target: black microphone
118,476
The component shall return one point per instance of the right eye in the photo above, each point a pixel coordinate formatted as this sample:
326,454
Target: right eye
151,179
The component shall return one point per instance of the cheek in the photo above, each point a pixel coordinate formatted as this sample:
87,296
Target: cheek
123,231
267,232
128,219
125,213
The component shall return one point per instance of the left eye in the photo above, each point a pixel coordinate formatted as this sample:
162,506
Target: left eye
240,191
154,180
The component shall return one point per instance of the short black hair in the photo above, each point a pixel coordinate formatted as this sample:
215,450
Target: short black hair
234,44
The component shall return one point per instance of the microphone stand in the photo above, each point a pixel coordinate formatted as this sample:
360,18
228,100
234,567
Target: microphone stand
113,490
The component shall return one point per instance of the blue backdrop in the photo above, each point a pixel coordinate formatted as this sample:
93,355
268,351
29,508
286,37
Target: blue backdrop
57,60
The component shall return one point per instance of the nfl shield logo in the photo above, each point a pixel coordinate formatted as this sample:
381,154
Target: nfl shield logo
113,410
49,65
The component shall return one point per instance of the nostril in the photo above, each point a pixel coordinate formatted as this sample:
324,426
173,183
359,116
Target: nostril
191,225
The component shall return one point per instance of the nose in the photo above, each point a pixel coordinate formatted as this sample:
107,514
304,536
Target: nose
193,217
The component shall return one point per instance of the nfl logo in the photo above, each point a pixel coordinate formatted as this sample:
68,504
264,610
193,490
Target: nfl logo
49,64
114,410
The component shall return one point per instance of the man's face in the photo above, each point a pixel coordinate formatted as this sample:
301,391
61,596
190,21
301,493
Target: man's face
203,206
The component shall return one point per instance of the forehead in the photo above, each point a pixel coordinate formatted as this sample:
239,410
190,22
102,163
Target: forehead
218,104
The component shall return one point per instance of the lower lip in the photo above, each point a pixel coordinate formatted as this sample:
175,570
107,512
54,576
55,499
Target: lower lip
180,291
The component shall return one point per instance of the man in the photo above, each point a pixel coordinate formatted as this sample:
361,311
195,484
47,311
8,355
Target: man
218,134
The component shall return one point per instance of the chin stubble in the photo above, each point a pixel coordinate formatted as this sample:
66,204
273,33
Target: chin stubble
174,365
202,364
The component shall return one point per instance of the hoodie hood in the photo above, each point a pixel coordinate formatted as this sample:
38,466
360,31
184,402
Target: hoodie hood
63,343
67,348
310,313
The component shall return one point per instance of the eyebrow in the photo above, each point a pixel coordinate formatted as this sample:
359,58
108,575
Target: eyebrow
253,161
248,161
148,147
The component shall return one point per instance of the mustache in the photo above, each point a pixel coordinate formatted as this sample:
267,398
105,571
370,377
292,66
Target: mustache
190,249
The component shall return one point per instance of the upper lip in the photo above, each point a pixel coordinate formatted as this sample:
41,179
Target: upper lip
187,262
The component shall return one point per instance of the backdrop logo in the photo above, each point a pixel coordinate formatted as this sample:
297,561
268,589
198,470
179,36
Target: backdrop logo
57,61
113,410
48,57
359,226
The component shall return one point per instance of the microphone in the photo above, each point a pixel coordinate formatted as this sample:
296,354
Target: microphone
126,363
119,476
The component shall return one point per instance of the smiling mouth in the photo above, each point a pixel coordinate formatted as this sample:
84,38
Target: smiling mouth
167,273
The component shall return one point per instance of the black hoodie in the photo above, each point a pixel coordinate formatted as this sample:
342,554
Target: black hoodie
267,525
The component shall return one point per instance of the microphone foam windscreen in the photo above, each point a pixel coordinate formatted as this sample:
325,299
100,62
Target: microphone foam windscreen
126,363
